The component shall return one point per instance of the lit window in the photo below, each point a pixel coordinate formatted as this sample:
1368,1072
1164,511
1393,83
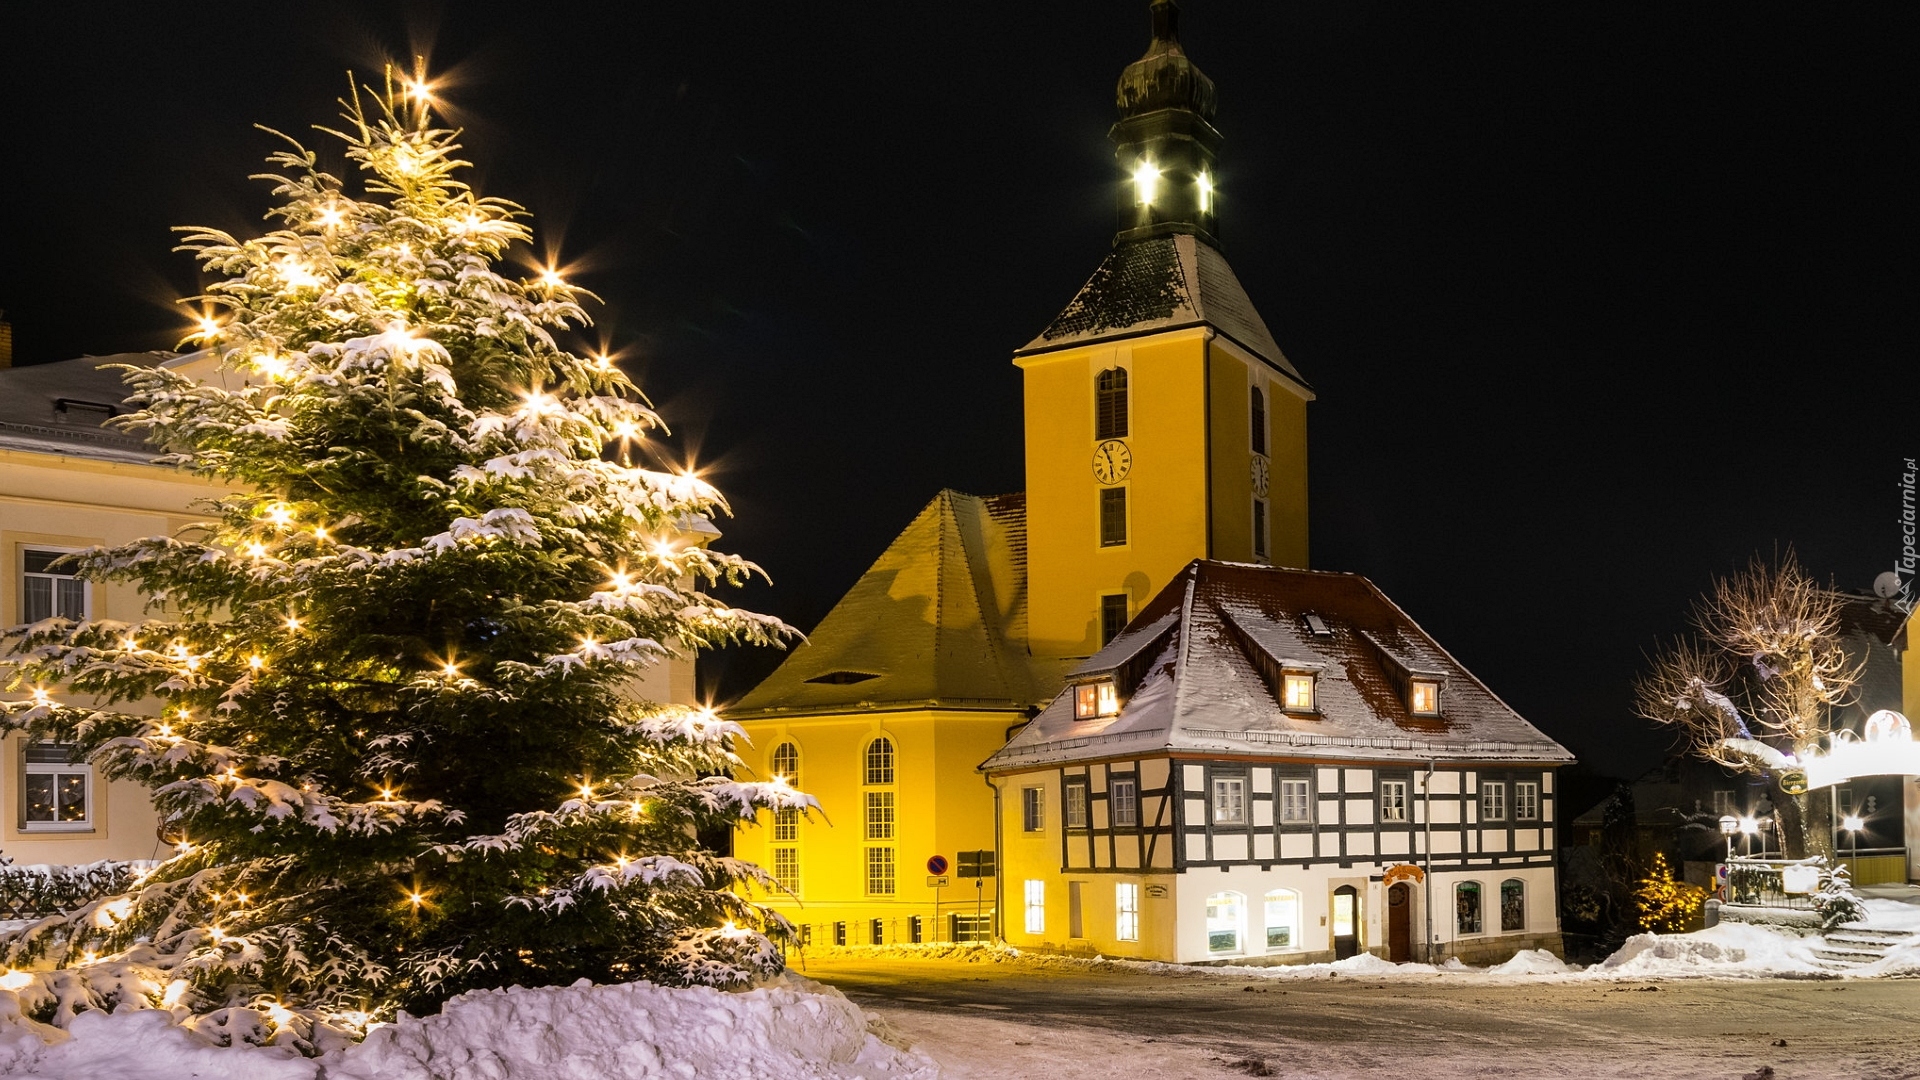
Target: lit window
1493,801
1426,698
880,761
1036,906
1126,912
1146,182
1095,699
1110,405
784,763
1526,802
1513,905
1393,800
1076,816
1296,806
1113,516
1299,692
1283,919
1722,803
1466,906
1123,803
879,871
59,789
1033,809
879,815
1260,529
50,593
1113,616
1206,192
786,868
786,825
1229,800
1224,918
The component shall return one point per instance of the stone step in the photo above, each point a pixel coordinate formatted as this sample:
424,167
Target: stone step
1855,937
1831,952
1875,932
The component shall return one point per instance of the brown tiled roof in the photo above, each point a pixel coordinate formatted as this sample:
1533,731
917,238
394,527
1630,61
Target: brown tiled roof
1199,668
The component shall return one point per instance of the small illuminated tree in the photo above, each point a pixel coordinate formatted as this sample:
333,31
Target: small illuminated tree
1754,687
396,745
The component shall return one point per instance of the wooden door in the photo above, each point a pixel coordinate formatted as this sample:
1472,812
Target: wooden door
1400,923
1346,922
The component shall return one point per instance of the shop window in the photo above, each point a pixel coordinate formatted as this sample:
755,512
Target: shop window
1513,905
1036,905
1126,911
1225,918
1283,919
1466,906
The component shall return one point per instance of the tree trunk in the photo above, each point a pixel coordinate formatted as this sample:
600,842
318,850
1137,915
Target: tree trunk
1803,825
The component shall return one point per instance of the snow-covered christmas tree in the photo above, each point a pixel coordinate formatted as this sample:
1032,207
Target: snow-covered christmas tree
395,738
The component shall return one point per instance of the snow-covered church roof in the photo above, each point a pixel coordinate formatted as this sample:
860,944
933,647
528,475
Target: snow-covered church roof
939,620
1163,283
1200,670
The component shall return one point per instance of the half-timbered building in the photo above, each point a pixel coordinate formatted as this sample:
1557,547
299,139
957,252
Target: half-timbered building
1274,765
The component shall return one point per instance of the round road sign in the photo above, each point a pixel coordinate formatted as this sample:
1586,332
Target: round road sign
937,864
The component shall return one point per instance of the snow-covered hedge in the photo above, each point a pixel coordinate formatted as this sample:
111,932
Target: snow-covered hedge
790,1028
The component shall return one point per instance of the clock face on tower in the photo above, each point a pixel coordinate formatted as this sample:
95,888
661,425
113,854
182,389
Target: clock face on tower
1260,476
1112,461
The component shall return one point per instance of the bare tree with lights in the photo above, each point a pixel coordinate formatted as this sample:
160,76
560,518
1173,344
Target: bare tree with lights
1755,686
396,744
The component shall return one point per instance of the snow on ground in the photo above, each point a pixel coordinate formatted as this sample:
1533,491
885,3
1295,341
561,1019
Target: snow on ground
790,1029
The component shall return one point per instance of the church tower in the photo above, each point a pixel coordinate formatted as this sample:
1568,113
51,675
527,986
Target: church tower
1163,423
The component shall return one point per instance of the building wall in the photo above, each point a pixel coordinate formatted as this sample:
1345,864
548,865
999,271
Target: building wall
1343,846
51,501
941,807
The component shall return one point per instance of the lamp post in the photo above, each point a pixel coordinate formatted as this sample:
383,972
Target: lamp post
1728,826
1751,827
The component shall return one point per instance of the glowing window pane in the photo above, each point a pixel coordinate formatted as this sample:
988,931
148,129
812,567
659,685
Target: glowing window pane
1224,916
1426,697
1126,912
1283,918
1299,691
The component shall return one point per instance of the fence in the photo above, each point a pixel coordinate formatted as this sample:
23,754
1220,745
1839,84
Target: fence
35,892
1875,866
1758,882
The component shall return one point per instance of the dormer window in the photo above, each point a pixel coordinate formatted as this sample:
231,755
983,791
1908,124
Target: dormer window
1095,699
1426,697
1297,691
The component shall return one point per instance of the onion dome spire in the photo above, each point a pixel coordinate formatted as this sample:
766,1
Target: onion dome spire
1165,141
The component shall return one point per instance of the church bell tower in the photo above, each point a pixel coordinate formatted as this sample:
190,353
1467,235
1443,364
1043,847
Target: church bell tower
1163,423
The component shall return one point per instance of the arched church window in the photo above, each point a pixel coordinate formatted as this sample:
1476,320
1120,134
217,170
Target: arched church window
1259,421
1110,404
785,763
880,761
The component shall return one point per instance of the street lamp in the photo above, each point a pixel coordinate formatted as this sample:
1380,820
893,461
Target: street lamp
1853,824
1728,826
1751,827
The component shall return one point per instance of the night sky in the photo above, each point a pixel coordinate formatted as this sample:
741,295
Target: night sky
1599,299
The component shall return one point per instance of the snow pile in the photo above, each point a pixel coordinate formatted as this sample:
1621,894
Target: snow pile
1533,962
1729,950
788,1029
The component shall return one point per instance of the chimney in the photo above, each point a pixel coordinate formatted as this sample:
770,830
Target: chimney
6,340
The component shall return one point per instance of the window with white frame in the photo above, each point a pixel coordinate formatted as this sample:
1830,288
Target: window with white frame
1466,906
1283,919
880,761
1513,905
880,871
1036,896
47,592
1033,809
1226,918
1526,801
1426,697
1297,691
1123,802
1126,911
784,763
1722,803
786,868
1229,800
1493,800
786,825
879,815
1393,800
1076,809
1095,699
58,789
1296,802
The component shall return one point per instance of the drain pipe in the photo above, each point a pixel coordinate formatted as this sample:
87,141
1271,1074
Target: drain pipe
1426,804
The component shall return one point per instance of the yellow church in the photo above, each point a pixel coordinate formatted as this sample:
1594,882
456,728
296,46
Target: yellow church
943,709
